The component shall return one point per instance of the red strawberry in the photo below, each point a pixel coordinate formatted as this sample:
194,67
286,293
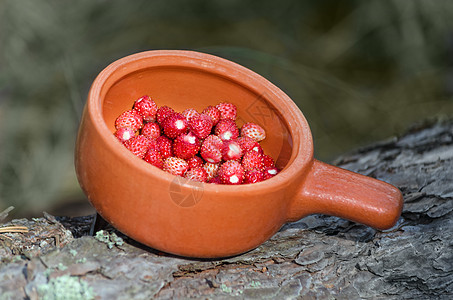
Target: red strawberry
253,131
197,174
252,161
175,125
268,161
253,176
186,146
147,108
231,150
212,112
152,144
189,113
227,111
257,148
211,169
210,153
164,146
194,162
215,180
270,172
200,125
226,130
175,166
151,130
231,172
246,143
214,140
154,157
138,145
124,133
163,112
211,149
129,118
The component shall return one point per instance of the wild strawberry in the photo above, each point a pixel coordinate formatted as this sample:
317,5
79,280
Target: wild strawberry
154,157
252,161
174,125
189,113
228,111
186,146
215,180
152,144
231,172
200,125
270,172
246,143
175,165
257,148
124,133
210,153
129,118
231,150
226,130
214,140
138,145
163,112
212,112
197,174
164,146
195,162
268,161
253,131
211,169
151,130
211,149
147,108
253,176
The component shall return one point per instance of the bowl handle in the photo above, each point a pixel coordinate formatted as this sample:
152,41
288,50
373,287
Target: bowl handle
338,192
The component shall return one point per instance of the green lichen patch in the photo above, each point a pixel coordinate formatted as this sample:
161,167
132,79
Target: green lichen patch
65,287
61,267
111,239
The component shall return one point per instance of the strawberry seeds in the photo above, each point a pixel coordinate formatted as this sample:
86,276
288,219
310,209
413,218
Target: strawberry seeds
206,147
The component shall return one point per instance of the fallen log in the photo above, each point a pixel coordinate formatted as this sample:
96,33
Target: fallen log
316,257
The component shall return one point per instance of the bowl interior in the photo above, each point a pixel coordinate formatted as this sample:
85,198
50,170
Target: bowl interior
182,87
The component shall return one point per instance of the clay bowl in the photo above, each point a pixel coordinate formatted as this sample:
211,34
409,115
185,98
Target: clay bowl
181,217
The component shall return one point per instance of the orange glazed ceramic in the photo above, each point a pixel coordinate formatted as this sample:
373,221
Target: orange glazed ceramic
193,219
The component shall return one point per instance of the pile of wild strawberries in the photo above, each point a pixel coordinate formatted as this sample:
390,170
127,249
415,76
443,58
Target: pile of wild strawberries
206,146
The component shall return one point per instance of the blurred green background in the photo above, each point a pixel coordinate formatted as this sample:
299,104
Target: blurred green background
359,70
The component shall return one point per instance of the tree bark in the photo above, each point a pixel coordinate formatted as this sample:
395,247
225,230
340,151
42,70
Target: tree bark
316,257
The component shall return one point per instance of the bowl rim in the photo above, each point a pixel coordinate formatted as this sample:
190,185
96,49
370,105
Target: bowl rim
302,148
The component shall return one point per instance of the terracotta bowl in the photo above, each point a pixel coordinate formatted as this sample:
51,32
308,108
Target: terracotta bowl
185,218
